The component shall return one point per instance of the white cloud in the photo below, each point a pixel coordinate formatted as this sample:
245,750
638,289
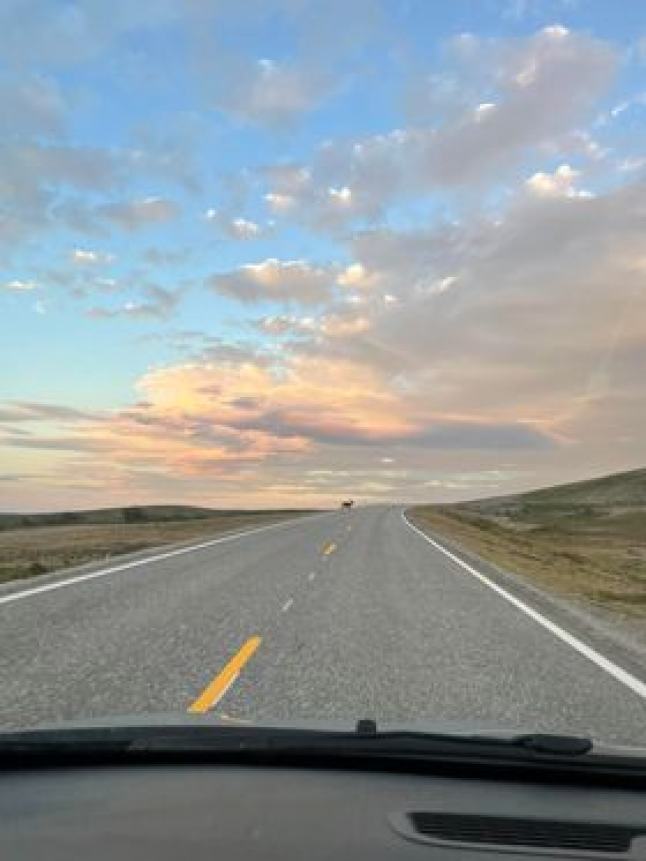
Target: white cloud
630,164
267,92
158,303
84,256
342,195
557,184
238,227
352,275
272,280
483,109
280,203
242,228
283,324
545,323
543,87
19,285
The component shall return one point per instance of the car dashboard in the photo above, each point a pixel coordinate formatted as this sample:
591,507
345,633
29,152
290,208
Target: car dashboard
240,812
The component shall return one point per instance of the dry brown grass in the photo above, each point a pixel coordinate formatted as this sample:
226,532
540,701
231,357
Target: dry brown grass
36,550
595,554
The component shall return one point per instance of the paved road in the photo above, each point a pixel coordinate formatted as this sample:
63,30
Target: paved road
358,616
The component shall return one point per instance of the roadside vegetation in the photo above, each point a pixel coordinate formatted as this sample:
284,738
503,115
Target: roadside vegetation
585,540
32,544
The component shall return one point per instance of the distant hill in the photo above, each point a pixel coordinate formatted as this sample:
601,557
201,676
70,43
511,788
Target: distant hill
130,514
621,488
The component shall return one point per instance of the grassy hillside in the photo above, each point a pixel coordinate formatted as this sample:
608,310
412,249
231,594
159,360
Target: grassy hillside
620,488
585,540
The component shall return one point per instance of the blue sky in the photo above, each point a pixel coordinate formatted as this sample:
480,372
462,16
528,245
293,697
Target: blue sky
253,253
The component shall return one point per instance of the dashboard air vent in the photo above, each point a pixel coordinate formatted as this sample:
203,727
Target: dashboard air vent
538,833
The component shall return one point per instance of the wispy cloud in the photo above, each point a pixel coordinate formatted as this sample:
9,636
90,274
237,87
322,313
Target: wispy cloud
158,303
140,213
87,257
19,286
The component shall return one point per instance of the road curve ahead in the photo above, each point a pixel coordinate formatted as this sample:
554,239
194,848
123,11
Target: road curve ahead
343,615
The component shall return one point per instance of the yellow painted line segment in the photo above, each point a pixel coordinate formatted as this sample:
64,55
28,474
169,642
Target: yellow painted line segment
330,547
214,692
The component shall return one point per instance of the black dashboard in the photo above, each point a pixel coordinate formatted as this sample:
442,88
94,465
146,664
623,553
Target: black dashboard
195,812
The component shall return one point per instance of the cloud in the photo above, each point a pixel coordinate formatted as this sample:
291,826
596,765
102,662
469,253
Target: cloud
29,105
545,299
223,418
29,170
557,184
270,93
237,227
33,411
272,280
343,431
138,214
283,324
166,256
86,257
19,285
67,35
34,177
158,303
542,86
275,92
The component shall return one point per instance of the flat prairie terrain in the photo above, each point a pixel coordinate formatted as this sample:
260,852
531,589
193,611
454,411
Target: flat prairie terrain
33,549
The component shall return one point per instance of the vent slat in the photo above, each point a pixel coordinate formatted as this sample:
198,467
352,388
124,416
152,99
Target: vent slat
547,834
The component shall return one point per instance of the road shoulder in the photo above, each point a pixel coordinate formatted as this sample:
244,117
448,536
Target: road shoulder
615,641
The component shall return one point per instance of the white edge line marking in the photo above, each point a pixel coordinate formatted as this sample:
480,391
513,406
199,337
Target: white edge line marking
287,605
636,686
158,557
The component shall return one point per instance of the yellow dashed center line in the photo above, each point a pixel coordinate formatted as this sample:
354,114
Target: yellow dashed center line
213,693
330,547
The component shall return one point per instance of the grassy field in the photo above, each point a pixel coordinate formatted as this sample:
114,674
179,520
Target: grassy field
584,540
47,542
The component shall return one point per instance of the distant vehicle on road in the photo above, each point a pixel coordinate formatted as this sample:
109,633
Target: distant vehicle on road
347,503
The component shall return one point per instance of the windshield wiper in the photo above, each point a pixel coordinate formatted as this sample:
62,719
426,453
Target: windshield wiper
365,740
528,757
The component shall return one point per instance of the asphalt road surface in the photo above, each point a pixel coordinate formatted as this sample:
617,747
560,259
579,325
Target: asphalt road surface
341,615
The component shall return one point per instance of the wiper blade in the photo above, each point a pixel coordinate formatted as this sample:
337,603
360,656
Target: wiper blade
533,757
366,739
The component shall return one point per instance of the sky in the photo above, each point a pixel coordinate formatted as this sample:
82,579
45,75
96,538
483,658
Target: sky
279,252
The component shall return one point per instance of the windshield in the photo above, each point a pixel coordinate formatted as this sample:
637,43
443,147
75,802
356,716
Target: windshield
323,348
